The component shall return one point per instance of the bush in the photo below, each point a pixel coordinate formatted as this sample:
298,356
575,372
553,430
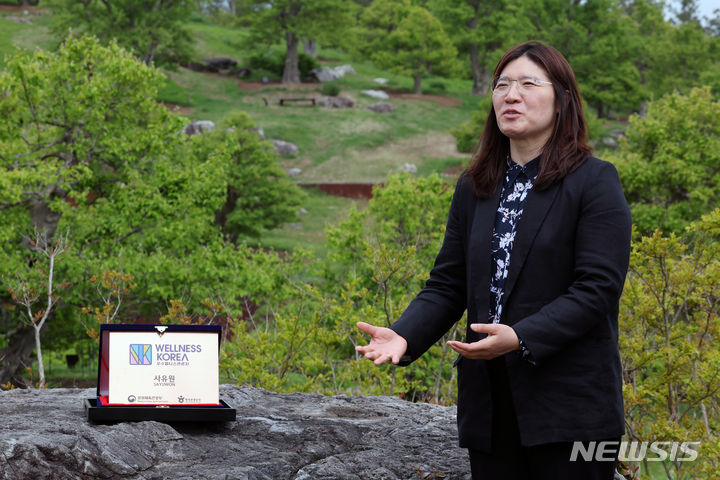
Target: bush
330,89
437,86
273,62
669,161
466,137
468,134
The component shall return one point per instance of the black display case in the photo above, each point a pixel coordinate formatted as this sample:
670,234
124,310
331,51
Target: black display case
99,411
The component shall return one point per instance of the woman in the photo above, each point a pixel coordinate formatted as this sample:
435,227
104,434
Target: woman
536,250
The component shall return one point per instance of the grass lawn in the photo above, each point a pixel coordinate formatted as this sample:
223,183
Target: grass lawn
15,34
309,231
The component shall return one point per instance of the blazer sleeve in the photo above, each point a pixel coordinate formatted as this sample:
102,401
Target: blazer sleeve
600,263
442,301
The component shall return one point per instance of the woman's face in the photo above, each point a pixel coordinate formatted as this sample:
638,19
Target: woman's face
526,111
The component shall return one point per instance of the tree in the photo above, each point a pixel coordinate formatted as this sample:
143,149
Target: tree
686,12
663,47
260,195
668,336
669,161
154,30
417,47
590,34
377,260
85,147
375,23
295,20
479,28
27,294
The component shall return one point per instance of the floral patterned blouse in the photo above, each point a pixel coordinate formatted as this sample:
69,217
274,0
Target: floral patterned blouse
517,184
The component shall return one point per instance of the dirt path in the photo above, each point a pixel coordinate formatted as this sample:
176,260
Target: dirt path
19,9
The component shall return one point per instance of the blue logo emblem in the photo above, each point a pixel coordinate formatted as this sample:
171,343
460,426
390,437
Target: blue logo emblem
140,354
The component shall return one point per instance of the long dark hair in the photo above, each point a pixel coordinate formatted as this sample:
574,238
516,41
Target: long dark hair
567,146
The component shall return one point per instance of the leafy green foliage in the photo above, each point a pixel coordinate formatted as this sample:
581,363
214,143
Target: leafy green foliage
274,62
468,134
417,46
330,89
154,31
670,161
375,23
292,20
481,28
86,149
260,195
377,259
669,331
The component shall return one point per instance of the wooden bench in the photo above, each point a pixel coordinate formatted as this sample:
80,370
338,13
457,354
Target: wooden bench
283,101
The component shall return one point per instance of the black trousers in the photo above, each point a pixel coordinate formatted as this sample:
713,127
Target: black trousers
511,461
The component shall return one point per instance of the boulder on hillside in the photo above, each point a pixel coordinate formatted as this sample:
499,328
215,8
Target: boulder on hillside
330,74
199,126
379,94
335,102
382,107
23,20
284,148
343,70
44,434
325,74
407,167
220,64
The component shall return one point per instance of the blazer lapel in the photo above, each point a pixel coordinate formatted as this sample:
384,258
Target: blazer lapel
536,208
479,245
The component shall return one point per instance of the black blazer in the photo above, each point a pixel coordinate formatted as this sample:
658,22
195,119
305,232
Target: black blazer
566,274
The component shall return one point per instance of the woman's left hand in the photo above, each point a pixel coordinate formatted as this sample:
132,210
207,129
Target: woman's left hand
501,339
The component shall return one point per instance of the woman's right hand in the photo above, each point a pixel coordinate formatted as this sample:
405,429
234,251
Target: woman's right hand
384,344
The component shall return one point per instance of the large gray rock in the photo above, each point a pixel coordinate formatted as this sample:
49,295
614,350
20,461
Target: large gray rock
44,434
379,94
284,148
325,74
381,107
328,74
199,126
343,70
336,102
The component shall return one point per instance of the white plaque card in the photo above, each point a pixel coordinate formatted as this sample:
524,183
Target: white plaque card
175,368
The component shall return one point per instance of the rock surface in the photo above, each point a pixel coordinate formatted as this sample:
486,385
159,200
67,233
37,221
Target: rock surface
336,102
199,126
44,434
382,107
284,148
379,94
328,74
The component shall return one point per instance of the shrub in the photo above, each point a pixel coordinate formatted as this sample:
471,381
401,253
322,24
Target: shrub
306,64
669,161
330,89
274,63
468,134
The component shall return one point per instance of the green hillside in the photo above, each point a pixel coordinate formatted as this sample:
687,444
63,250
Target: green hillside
335,145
